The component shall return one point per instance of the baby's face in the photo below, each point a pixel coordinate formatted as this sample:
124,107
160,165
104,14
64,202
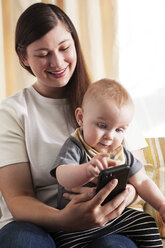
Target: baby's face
104,124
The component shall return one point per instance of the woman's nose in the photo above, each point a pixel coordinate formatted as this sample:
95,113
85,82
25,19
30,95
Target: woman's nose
55,60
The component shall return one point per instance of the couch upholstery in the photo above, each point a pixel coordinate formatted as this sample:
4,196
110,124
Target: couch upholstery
154,156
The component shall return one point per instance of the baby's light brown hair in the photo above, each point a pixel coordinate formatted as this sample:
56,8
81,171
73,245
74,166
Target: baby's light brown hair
108,89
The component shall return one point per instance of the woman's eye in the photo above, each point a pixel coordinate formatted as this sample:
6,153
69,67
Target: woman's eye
101,125
42,55
64,48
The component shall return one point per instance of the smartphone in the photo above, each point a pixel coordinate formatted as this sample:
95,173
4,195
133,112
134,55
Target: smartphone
119,172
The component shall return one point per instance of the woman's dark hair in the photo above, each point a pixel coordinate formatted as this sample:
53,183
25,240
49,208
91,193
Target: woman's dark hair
35,22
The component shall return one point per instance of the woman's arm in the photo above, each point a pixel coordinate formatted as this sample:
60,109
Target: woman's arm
84,211
17,190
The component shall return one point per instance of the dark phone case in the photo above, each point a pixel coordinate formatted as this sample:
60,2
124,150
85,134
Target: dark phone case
121,173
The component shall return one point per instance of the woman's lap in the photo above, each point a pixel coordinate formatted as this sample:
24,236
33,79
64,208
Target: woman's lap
113,241
26,235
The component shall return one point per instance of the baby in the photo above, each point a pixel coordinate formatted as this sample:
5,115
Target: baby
104,117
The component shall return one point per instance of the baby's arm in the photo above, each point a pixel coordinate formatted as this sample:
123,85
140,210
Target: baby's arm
73,175
149,191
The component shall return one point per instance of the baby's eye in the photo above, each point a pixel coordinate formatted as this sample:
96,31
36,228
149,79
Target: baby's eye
101,125
118,130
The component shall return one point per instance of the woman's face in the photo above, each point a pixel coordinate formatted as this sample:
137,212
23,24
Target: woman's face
52,59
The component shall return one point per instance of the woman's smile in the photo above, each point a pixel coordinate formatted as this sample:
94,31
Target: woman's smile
58,74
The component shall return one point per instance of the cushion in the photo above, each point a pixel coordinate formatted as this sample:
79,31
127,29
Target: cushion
155,154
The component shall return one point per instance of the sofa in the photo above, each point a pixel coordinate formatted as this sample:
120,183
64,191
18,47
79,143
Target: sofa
154,163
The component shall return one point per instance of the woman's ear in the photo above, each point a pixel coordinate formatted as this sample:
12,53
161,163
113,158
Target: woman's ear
79,116
24,60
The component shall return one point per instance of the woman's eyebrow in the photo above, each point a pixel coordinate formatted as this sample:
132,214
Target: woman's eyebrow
39,49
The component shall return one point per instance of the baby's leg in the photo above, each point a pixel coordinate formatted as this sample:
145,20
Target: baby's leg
141,228
138,226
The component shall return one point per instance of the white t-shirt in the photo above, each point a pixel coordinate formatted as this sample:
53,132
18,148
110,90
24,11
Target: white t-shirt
32,129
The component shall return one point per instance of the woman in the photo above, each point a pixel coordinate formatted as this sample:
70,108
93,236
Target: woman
34,124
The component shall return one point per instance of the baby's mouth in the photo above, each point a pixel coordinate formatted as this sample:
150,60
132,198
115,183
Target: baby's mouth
105,143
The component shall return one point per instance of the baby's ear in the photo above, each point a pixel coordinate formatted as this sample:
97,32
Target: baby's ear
79,116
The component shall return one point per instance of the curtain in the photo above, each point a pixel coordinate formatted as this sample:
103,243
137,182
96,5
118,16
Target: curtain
141,46
123,40
2,71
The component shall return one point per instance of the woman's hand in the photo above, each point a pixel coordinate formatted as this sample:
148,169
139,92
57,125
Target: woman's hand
85,211
133,197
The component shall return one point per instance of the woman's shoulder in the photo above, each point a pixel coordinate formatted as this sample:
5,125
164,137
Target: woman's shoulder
13,108
17,99
28,104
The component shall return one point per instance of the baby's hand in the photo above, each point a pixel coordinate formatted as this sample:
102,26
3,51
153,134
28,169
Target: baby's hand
162,211
98,163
